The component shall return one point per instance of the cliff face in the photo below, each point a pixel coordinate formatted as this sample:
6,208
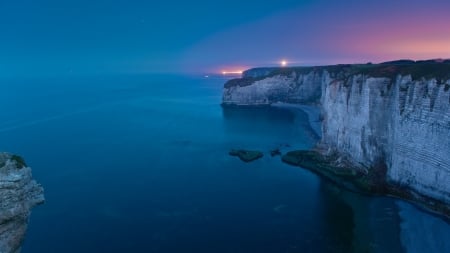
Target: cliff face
421,137
379,116
18,194
254,90
402,123
357,117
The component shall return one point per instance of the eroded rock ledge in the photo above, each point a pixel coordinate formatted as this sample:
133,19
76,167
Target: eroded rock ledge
19,193
357,178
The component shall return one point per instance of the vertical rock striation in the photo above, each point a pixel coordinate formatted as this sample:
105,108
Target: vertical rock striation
402,123
420,144
392,116
19,193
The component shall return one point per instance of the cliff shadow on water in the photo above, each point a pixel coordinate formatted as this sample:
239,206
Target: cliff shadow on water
345,220
355,223
263,120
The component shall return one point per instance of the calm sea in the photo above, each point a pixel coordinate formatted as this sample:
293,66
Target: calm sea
140,164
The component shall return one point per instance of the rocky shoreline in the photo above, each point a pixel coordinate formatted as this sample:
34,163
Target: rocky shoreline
343,172
388,122
363,180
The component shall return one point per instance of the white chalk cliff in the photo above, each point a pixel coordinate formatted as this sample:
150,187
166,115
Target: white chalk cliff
395,115
292,87
19,193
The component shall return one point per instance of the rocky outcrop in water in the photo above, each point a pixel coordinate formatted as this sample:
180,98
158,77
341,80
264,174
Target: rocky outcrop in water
19,193
246,155
393,115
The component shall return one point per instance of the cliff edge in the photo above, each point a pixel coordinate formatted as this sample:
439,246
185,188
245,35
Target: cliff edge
393,117
19,193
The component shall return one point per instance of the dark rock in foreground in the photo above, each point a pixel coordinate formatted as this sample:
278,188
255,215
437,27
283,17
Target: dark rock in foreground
338,170
246,155
357,178
19,193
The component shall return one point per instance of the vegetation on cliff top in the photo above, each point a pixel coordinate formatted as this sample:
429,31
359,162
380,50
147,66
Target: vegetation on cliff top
19,161
438,69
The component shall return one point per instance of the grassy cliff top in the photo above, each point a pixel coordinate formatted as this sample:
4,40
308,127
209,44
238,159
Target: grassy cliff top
4,157
437,69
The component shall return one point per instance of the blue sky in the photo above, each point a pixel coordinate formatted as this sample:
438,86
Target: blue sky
49,37
102,36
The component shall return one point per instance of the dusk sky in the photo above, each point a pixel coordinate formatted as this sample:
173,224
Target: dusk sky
54,37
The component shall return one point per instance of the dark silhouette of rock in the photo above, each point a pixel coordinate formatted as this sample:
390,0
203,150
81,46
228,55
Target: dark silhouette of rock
246,155
275,152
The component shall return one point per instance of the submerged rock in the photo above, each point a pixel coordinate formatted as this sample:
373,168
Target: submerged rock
275,152
19,193
246,155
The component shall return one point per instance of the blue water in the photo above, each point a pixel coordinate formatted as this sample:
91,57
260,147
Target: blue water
140,164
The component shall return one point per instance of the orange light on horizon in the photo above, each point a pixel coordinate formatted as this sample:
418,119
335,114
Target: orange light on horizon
237,72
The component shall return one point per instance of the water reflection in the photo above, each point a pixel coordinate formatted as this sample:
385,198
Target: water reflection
338,219
269,122
154,175
251,118
342,221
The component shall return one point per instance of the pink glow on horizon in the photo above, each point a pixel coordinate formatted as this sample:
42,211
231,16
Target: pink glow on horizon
411,32
364,32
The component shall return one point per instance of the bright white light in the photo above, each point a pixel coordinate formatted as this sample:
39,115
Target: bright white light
283,63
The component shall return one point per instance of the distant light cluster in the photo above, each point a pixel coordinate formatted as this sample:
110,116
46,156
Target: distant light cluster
238,72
